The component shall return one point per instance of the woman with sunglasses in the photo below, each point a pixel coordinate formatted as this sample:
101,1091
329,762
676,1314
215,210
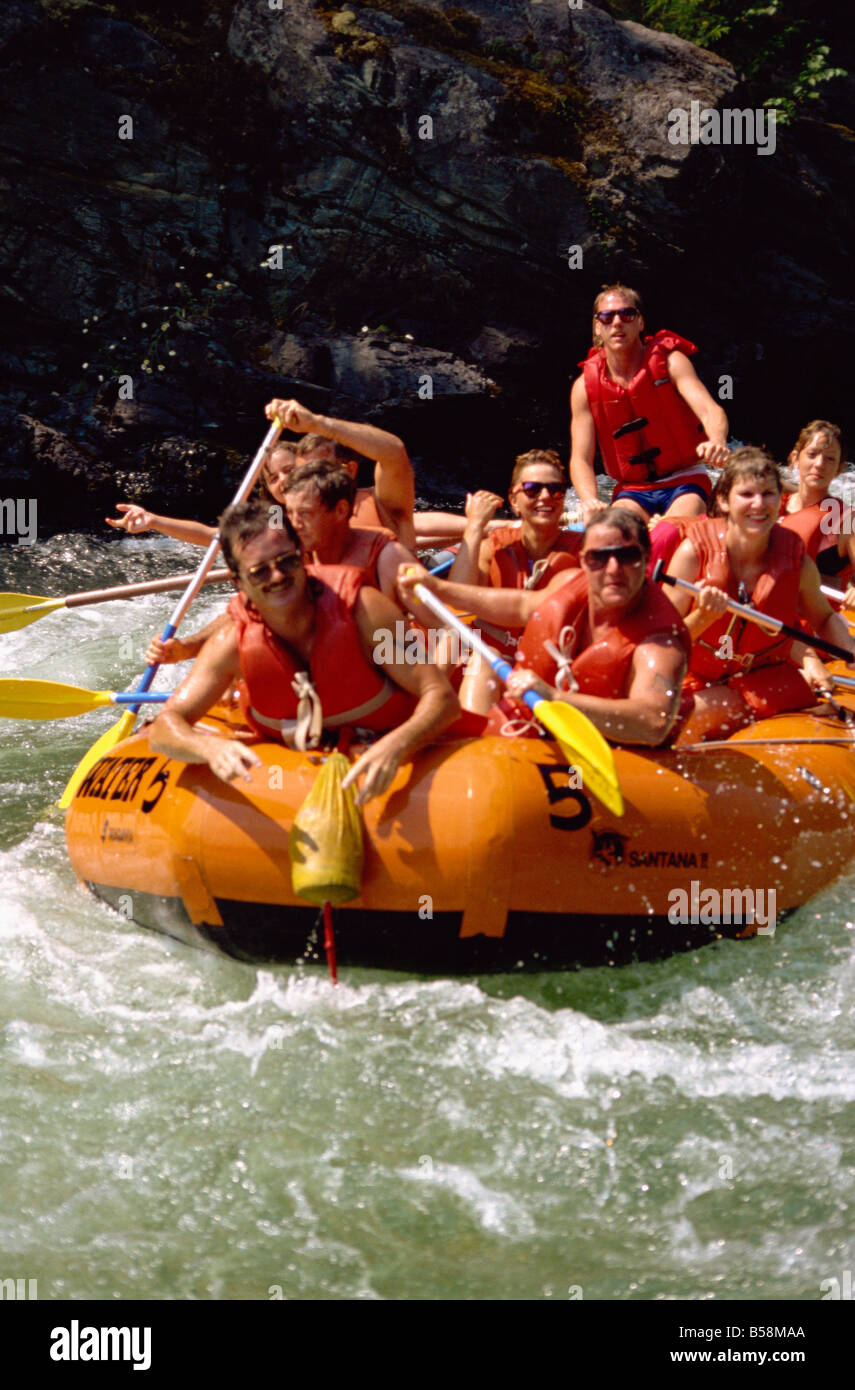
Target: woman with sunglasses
525,556
738,671
641,401
824,523
602,638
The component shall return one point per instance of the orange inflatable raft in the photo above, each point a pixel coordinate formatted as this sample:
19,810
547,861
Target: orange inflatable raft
484,854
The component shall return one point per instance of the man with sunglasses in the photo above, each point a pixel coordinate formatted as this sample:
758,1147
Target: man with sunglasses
641,401
599,638
308,657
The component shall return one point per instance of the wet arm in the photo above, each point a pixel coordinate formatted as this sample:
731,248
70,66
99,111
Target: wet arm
173,732
646,714
583,447
699,400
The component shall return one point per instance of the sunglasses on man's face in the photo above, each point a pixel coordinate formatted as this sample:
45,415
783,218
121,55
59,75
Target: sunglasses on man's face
609,315
535,489
287,564
624,554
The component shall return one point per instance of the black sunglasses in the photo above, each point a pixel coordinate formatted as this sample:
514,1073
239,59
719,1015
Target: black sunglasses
535,489
624,554
287,564
609,315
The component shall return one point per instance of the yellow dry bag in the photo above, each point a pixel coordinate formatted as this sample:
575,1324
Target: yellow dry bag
325,844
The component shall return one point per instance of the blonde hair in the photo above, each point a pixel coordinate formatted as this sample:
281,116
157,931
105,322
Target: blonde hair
544,457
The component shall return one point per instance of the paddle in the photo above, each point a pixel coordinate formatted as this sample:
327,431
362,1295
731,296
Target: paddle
24,699
580,742
828,592
18,610
125,725
762,619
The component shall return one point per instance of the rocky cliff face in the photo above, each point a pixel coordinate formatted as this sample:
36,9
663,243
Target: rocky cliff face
399,210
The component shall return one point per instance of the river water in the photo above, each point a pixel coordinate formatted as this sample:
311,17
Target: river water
179,1126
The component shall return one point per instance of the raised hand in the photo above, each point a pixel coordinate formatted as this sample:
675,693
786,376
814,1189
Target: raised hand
292,416
135,518
481,507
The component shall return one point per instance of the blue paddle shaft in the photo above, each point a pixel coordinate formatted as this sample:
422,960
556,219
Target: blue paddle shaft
132,697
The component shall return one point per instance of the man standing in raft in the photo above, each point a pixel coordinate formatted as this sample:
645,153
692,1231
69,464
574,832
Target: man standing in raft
305,656
600,638
642,402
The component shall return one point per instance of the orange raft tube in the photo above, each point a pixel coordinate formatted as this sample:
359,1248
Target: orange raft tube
484,854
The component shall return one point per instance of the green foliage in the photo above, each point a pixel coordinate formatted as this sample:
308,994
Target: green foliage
806,86
782,49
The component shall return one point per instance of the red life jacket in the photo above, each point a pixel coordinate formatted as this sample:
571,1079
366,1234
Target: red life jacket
511,567
807,523
776,592
645,431
336,575
352,690
601,668
819,527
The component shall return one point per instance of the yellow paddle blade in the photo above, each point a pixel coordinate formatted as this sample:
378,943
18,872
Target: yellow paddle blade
19,600
22,699
17,610
583,745
121,730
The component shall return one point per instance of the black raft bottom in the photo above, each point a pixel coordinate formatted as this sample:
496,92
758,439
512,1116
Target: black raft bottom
266,934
